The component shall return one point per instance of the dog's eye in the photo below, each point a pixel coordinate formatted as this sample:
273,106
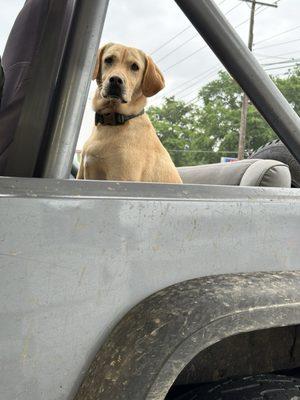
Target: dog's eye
134,67
108,60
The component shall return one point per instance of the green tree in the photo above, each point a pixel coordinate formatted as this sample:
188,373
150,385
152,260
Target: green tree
221,113
173,124
180,130
202,133
290,87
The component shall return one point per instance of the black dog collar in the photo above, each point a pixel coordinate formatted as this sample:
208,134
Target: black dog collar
114,118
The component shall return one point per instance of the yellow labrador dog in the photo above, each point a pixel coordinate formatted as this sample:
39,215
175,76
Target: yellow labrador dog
123,145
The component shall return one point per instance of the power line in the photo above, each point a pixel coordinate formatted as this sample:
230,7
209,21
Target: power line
260,10
170,40
185,58
172,93
195,90
182,84
204,75
243,124
191,38
243,22
213,74
277,35
280,74
203,47
261,3
199,75
265,57
176,48
193,100
283,67
278,44
290,64
177,34
295,64
278,56
281,62
286,60
233,8
213,68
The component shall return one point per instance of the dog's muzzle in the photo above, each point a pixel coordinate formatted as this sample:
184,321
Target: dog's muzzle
115,89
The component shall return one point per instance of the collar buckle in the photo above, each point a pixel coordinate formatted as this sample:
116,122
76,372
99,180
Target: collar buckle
119,118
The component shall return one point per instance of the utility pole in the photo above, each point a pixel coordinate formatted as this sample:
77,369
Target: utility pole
245,104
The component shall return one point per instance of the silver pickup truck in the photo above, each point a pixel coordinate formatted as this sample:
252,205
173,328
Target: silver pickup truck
131,291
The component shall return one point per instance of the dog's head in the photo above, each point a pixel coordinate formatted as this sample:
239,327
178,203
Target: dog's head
124,74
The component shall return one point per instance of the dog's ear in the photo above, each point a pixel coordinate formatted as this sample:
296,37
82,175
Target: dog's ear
97,71
153,80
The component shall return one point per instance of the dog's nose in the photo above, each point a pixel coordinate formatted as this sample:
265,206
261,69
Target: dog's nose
116,80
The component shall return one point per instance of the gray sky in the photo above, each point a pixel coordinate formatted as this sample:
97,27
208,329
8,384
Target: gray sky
148,24
9,11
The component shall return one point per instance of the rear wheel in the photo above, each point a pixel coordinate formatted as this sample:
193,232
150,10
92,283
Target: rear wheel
260,387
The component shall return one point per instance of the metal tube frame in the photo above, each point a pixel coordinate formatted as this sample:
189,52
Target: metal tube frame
245,69
86,31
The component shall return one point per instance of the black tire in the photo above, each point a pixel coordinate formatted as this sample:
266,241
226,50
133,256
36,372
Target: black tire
74,169
260,387
276,150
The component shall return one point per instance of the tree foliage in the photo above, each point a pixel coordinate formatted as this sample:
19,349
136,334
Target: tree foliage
201,133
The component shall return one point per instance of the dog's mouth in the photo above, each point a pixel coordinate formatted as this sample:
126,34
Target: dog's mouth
114,93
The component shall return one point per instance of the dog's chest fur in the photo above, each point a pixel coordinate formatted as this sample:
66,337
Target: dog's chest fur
120,143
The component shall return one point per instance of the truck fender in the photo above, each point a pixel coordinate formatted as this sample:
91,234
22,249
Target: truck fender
153,343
